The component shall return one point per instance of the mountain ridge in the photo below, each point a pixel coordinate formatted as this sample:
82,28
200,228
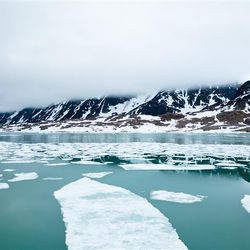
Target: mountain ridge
173,105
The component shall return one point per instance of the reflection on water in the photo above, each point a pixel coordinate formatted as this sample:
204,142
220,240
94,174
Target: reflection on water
179,138
245,174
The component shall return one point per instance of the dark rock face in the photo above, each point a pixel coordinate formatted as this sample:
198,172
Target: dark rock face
71,110
183,101
175,103
243,89
241,100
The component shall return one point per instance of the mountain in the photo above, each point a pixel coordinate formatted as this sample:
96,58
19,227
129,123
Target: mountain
241,100
188,109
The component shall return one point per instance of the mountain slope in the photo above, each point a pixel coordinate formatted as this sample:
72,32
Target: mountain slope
178,101
206,108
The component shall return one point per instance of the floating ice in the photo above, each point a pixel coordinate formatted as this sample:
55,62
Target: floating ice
57,164
24,177
165,167
4,185
9,170
246,202
163,195
86,162
101,216
136,152
52,178
228,164
96,175
17,161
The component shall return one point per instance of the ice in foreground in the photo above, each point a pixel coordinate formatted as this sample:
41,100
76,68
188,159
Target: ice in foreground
24,177
4,185
246,202
101,216
163,195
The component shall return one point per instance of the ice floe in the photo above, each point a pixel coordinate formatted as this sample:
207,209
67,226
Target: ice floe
164,195
96,175
17,161
86,162
9,170
131,153
52,178
246,202
57,164
4,185
228,164
24,177
165,167
101,216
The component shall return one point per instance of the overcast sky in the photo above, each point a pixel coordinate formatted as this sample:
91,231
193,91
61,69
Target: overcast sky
57,51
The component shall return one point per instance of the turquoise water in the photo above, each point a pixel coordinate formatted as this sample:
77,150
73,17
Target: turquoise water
30,216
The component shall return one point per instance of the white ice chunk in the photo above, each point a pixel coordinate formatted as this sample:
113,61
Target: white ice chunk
4,185
24,177
52,178
165,167
57,164
226,164
101,216
86,162
246,202
97,175
163,195
17,161
9,170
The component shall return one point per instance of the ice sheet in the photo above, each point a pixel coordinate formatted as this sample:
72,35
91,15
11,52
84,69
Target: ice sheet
164,195
52,178
96,175
4,185
166,167
100,216
246,202
24,177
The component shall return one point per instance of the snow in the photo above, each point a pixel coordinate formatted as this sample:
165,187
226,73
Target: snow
99,126
96,175
246,203
165,167
204,114
4,185
101,216
163,195
24,177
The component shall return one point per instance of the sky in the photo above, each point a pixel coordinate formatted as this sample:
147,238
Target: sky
55,51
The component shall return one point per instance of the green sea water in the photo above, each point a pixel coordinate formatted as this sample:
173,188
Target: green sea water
30,216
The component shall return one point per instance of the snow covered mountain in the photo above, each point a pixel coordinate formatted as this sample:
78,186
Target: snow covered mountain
174,109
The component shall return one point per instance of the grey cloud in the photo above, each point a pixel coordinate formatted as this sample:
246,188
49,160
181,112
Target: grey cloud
51,52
